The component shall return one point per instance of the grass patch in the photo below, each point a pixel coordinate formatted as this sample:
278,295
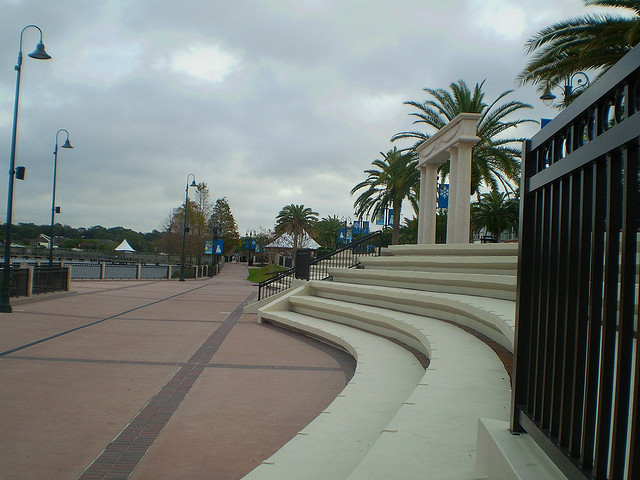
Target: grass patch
260,274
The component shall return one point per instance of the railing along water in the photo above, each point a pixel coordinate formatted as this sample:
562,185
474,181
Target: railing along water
576,385
50,279
346,256
35,280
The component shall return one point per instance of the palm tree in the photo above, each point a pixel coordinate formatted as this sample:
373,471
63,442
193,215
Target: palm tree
495,159
495,212
328,231
395,180
296,220
591,42
409,231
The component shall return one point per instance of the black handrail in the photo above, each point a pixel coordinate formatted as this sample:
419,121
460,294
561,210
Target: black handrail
346,256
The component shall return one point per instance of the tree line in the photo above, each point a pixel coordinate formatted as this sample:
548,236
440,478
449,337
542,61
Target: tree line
96,238
204,220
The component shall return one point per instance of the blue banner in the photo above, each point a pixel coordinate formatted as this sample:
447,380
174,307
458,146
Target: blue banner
342,235
208,244
379,219
365,228
219,246
356,227
443,195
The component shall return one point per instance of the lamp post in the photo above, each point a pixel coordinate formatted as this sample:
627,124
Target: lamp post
250,257
40,54
55,209
582,82
185,229
215,225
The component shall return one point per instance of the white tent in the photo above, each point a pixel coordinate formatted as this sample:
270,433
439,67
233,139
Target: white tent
124,247
286,241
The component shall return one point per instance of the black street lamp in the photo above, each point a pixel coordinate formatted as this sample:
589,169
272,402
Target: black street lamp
215,225
582,82
185,229
55,209
40,54
250,257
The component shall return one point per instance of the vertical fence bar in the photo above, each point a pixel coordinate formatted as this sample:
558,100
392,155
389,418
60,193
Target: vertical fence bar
541,408
552,370
610,315
523,346
564,347
627,310
536,292
580,306
594,315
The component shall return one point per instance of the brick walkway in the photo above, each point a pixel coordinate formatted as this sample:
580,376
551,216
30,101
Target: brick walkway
154,379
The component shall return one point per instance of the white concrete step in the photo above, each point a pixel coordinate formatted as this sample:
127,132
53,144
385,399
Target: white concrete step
504,456
335,442
434,433
493,265
438,250
483,285
465,381
494,318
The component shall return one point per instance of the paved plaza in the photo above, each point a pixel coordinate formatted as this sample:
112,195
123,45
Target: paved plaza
154,380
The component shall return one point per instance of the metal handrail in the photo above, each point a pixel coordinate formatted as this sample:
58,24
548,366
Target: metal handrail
336,258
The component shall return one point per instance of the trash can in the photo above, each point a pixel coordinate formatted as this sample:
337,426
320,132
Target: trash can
303,258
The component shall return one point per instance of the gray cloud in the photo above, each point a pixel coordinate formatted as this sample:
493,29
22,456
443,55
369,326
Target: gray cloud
268,102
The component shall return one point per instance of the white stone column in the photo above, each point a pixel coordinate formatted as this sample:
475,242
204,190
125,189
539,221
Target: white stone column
453,194
462,204
422,208
427,220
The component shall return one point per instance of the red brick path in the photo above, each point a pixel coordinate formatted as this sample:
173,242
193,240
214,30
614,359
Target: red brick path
154,379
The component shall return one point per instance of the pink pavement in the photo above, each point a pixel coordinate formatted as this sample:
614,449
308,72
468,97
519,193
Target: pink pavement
154,380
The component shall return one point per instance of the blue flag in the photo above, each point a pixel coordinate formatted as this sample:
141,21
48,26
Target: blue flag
219,246
443,195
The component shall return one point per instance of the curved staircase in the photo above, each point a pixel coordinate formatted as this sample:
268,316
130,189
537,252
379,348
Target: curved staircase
396,419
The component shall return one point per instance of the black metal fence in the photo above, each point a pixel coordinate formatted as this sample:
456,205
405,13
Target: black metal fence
577,361
29,281
317,269
50,279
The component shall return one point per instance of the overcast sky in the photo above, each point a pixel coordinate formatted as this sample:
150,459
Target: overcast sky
270,102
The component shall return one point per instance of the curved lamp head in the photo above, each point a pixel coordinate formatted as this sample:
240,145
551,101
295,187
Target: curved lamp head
66,144
547,97
193,183
40,53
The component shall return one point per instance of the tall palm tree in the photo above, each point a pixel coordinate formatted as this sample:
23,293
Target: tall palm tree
395,179
296,220
591,42
328,231
495,212
495,158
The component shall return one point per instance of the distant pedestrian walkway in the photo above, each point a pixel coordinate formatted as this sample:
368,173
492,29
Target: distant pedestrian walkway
154,379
